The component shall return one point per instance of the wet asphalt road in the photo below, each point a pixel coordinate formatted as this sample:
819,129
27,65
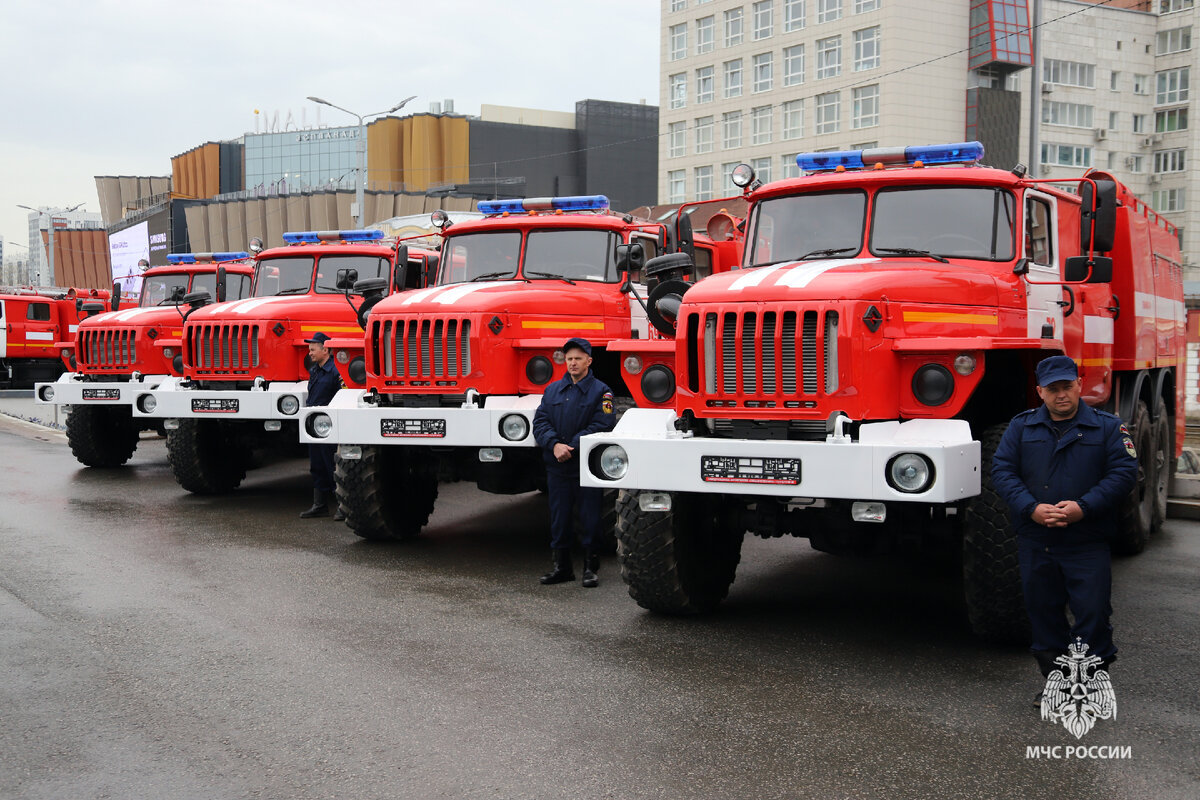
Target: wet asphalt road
161,645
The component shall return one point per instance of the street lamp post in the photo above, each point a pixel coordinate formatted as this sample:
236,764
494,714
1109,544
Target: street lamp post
50,246
361,151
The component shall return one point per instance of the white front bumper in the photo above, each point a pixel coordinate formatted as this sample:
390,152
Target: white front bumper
174,401
660,458
72,389
356,422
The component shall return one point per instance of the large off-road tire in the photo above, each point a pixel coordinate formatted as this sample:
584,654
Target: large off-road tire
991,572
207,456
681,561
102,436
389,493
1137,512
607,543
1164,462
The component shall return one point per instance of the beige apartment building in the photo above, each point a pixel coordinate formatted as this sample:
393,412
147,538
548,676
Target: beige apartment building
758,81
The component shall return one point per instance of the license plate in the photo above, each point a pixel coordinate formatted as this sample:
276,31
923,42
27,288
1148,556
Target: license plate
413,428
214,405
732,469
101,394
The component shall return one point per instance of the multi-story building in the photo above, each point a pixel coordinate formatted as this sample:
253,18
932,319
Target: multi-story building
39,222
760,80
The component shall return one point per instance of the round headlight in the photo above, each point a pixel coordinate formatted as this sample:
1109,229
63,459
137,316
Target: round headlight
439,218
289,404
66,352
342,357
559,357
964,364
168,352
614,462
633,364
742,175
320,425
514,427
658,384
933,384
910,473
46,393
539,370
147,403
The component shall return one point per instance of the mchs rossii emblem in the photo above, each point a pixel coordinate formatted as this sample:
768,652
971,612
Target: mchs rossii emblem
1078,693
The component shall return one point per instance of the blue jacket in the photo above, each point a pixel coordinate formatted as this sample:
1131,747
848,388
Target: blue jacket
1093,464
570,410
323,383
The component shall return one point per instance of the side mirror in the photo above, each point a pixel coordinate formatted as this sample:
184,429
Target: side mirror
630,257
116,295
346,278
400,271
1097,269
92,309
1098,215
684,241
177,294
372,290
222,288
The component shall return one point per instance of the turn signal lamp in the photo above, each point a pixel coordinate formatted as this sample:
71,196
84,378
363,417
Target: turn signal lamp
591,202
203,258
313,237
954,153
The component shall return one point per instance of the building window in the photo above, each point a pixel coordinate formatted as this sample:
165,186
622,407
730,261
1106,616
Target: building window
731,129
788,168
678,41
762,169
793,119
764,19
829,112
828,10
704,85
676,139
1173,120
793,65
1139,123
1113,118
1069,73
1114,80
704,34
1066,155
794,14
1134,163
863,6
678,84
763,71
1171,86
675,186
1175,40
829,57
704,183
1169,161
1167,6
733,26
1074,115
1141,84
865,102
866,49
760,125
733,78
1167,200
727,185
704,134
678,5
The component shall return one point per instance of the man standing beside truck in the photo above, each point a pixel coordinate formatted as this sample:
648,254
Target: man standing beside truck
323,384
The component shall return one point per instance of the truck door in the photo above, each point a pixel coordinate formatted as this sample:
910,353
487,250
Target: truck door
41,329
1042,288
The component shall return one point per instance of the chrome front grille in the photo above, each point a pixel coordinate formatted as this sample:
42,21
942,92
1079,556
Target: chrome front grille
760,354
108,348
222,349
420,349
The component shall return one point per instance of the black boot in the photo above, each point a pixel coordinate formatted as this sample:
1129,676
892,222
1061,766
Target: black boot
338,514
591,565
563,570
319,508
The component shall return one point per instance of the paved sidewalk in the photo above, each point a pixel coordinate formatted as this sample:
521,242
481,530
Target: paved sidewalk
19,403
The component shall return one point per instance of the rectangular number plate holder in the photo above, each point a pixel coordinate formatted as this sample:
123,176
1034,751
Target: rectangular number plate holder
412,428
214,405
101,394
736,469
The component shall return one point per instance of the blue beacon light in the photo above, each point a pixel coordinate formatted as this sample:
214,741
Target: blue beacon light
954,153
198,258
314,237
593,202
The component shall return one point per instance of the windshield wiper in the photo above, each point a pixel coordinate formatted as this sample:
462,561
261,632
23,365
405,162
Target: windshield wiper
909,251
489,275
294,290
828,251
550,275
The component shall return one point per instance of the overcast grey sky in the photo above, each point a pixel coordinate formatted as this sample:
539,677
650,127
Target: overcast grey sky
104,87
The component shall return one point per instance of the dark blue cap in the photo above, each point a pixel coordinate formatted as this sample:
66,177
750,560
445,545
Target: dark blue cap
576,342
318,338
1056,368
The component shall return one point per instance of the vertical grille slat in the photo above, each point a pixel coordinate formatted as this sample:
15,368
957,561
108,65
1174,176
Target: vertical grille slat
809,349
767,358
787,338
729,354
748,350
439,348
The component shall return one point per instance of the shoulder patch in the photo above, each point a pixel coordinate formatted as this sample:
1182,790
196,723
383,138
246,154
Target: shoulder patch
1128,442
1124,430
606,403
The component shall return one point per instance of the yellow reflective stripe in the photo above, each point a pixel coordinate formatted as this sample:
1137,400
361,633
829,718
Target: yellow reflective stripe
555,325
941,316
334,328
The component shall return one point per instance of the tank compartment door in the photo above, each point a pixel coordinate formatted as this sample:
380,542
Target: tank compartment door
1042,290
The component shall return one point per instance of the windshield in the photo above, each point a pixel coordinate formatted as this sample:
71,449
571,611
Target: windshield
584,255
159,290
956,222
476,256
364,267
275,276
807,226
236,286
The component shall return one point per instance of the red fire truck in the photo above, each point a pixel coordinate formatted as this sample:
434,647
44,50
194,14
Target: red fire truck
245,363
455,372
32,319
115,355
851,382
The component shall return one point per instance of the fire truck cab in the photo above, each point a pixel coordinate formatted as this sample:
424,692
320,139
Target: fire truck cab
244,364
32,321
115,355
456,371
850,383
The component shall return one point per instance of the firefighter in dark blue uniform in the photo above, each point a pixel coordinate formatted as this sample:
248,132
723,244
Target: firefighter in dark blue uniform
1063,469
576,405
323,384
